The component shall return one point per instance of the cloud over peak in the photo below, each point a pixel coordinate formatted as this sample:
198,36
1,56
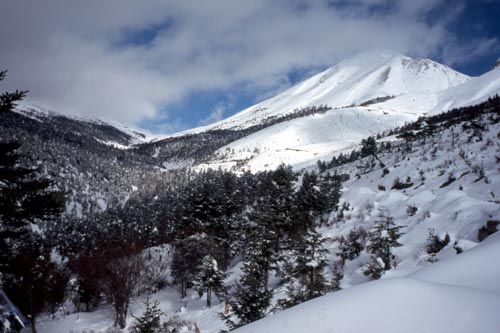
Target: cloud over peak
132,60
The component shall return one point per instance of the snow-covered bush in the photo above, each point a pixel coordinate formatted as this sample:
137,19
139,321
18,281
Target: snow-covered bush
436,243
351,246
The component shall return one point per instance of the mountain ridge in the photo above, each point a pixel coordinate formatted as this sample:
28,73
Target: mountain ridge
316,119
324,88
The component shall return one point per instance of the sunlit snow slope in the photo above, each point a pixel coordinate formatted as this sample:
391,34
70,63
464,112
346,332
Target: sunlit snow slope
471,92
458,295
352,82
455,190
368,93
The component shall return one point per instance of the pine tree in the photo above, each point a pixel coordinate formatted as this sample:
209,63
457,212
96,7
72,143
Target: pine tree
186,258
308,206
351,246
150,321
369,148
26,198
305,272
381,239
270,220
252,297
330,186
427,128
408,136
210,279
8,100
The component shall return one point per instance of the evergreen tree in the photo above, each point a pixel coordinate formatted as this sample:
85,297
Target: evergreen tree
150,321
381,239
26,198
210,279
307,258
89,273
271,220
305,273
308,206
369,148
330,187
8,100
186,258
252,296
351,246
408,136
427,128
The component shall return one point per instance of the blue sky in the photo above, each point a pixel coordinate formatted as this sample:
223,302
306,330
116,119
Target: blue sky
478,18
166,66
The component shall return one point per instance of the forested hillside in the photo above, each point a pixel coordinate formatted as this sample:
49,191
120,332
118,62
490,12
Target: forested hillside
263,242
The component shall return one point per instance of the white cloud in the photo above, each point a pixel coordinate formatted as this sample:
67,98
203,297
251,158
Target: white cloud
456,54
216,114
73,55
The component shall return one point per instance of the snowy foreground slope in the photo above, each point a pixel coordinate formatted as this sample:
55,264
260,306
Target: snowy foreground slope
459,293
410,304
453,188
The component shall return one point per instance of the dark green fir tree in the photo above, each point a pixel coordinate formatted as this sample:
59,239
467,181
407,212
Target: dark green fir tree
150,321
26,199
210,279
381,240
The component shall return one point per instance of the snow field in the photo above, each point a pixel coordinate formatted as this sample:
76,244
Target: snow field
458,293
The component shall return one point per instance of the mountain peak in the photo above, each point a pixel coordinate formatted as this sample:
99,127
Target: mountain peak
367,78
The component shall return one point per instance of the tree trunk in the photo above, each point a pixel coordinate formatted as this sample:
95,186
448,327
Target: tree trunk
122,320
209,298
183,288
378,159
33,323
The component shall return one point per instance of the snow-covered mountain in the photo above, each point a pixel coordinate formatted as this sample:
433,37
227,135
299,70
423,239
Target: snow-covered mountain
367,94
320,117
471,92
447,181
454,294
354,81
451,187
110,133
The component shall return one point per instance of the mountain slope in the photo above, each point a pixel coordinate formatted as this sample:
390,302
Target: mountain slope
354,81
302,141
87,159
456,295
452,190
114,134
396,305
305,139
367,93
472,92
452,183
